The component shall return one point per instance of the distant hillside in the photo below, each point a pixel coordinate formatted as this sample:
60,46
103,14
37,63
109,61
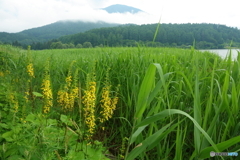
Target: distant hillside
51,31
205,35
118,8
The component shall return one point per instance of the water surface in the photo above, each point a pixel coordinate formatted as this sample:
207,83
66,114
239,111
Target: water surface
224,52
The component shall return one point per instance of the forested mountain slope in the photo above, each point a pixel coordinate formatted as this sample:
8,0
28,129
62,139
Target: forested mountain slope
51,31
205,35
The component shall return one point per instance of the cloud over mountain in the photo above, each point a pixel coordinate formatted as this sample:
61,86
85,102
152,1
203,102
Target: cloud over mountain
16,15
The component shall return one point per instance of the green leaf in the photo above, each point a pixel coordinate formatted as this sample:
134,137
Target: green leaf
136,133
8,136
205,153
3,125
66,120
34,119
157,30
31,118
187,82
146,143
37,94
169,112
158,86
76,155
15,157
164,135
197,112
52,122
145,89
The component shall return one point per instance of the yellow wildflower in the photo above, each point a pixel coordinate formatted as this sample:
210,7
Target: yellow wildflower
66,99
14,102
1,74
30,70
67,96
26,96
72,96
69,80
8,72
22,120
63,97
47,94
108,104
16,106
89,99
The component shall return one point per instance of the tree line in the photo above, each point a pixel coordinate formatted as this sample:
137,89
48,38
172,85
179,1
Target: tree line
205,36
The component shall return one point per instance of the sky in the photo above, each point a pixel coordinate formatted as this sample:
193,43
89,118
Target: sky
18,15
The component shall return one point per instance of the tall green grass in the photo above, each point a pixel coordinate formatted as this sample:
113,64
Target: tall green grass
173,103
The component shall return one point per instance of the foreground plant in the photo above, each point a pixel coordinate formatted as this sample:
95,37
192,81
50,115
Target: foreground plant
89,101
146,142
70,91
184,98
108,102
47,91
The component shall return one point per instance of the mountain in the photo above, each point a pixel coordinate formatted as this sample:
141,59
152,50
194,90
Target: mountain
205,35
118,8
52,31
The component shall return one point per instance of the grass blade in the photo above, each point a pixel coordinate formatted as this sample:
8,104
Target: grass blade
145,89
205,153
136,133
169,112
156,137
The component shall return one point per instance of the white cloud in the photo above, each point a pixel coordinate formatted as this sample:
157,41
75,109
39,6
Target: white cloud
17,15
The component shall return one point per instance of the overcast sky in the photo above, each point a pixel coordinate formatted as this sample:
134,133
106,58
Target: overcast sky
18,15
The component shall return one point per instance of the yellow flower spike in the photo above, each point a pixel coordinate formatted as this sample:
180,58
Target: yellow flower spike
30,70
8,72
66,100
72,96
67,95
108,104
1,74
89,99
123,147
69,80
14,102
47,94
63,98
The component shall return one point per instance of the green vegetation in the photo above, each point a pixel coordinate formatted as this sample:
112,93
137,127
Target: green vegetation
49,32
170,35
206,36
118,103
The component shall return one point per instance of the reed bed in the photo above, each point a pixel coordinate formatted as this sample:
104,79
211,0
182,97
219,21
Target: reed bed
118,103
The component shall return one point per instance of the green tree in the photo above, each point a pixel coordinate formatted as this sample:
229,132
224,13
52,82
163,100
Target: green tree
87,45
57,45
71,45
79,45
16,43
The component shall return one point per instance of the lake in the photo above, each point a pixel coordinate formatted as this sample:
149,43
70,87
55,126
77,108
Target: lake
223,52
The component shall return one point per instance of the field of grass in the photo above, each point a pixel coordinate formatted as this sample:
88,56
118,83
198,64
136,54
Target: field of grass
117,103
